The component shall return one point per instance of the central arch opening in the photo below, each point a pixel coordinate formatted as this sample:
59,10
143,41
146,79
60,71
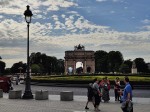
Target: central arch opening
70,70
79,67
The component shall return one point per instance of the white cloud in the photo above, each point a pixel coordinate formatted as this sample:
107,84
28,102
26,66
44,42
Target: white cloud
1,16
146,21
18,9
13,55
59,25
112,12
53,8
125,7
126,42
117,0
74,13
55,17
10,11
69,24
55,4
146,27
39,16
101,0
13,34
63,16
12,29
71,17
109,0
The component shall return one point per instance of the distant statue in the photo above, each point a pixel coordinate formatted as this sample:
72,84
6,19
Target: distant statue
133,64
79,47
134,69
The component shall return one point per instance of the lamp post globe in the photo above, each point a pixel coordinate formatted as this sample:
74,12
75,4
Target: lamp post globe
28,94
28,14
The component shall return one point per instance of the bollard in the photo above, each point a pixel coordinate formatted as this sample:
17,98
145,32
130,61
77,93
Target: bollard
1,93
41,95
66,96
15,94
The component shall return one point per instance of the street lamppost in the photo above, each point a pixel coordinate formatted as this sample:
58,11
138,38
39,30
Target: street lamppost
20,68
28,94
0,65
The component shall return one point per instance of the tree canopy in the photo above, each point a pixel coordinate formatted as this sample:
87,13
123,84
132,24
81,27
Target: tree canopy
105,62
108,62
141,65
2,67
47,64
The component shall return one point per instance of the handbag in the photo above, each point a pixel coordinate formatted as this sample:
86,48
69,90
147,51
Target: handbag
124,105
127,106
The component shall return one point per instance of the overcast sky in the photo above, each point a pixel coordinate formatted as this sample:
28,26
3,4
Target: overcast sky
59,25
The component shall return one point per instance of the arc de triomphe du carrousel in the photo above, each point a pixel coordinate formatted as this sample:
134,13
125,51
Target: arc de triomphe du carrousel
79,54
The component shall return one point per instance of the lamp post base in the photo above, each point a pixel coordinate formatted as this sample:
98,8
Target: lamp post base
27,95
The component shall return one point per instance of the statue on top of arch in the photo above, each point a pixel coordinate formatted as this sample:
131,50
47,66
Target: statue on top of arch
79,47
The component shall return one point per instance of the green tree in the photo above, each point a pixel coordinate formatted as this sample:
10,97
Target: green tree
35,68
39,59
101,58
128,62
2,67
16,66
115,59
141,65
124,68
47,64
60,66
7,71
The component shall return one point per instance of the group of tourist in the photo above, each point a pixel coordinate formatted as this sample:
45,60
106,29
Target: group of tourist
99,91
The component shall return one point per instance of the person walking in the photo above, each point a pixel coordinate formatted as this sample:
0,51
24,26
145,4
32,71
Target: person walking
105,84
90,95
127,105
97,94
117,89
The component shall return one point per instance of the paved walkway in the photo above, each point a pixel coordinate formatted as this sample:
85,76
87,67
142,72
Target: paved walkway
78,91
53,104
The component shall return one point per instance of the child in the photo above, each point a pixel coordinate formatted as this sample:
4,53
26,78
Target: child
90,95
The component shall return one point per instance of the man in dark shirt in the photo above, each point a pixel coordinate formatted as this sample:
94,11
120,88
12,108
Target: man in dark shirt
90,95
97,94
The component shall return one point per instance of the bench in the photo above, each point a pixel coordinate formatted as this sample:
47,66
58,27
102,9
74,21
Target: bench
1,93
41,95
15,94
66,96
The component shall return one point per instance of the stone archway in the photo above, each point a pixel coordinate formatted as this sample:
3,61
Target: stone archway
79,54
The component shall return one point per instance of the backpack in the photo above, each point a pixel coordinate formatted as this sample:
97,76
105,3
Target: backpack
95,92
90,91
